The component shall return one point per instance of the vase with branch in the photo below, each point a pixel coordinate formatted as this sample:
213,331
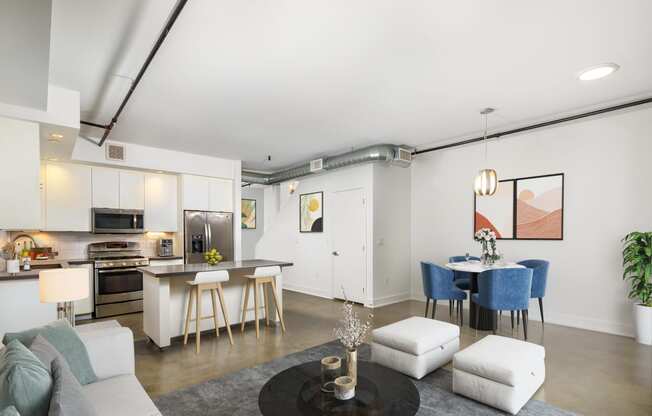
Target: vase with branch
352,333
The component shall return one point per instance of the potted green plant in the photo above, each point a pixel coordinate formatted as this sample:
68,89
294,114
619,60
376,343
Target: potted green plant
637,260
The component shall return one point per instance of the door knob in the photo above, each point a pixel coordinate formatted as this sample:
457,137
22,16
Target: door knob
336,253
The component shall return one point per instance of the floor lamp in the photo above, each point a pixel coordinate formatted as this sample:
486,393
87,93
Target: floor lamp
63,286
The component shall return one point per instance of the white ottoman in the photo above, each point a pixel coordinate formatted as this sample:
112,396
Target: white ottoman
415,346
500,372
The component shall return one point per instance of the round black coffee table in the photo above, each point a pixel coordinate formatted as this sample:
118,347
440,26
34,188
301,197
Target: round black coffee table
297,391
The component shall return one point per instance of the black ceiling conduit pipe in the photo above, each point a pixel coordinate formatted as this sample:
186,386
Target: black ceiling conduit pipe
166,29
538,125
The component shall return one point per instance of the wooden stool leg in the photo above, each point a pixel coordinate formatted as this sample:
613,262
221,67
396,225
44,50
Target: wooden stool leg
264,289
244,306
220,293
198,320
256,307
188,315
217,324
278,306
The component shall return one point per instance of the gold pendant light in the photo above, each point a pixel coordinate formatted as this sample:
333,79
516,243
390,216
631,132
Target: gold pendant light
486,181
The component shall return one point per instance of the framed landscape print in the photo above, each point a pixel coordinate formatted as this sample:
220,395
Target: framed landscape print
540,208
529,208
248,213
311,212
496,212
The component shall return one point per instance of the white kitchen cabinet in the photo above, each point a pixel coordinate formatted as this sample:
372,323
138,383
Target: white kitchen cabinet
220,195
67,197
86,306
161,203
194,192
207,194
106,187
20,196
132,190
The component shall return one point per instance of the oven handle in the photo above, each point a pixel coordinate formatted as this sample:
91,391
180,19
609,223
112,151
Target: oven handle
117,270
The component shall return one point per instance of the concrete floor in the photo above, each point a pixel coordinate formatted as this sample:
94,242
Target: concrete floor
587,372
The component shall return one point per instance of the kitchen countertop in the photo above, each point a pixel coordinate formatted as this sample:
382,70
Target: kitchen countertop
186,269
33,274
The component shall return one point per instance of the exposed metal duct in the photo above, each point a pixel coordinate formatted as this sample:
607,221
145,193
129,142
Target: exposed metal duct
388,153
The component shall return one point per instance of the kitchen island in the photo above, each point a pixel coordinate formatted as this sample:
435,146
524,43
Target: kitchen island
165,296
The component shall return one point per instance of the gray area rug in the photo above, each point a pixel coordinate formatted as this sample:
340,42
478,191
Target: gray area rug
237,393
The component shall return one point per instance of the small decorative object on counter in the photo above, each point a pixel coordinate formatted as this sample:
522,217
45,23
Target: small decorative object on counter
13,266
352,333
27,264
344,388
487,238
331,368
213,257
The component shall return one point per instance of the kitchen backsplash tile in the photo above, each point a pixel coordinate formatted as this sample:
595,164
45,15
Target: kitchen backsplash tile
74,245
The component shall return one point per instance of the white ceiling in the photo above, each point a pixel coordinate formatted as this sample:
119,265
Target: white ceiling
297,79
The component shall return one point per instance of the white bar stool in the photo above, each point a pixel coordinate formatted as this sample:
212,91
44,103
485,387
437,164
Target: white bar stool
211,281
262,276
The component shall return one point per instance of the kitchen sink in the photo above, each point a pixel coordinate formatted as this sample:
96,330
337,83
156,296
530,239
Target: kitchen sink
46,266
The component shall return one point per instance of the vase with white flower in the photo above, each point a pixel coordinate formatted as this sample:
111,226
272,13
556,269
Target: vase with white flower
352,332
487,239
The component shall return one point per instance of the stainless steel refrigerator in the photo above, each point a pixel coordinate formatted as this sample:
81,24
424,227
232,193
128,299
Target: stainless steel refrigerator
205,230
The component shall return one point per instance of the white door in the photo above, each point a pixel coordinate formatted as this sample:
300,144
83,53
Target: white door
132,190
348,220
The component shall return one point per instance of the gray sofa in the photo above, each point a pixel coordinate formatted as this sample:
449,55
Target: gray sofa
117,391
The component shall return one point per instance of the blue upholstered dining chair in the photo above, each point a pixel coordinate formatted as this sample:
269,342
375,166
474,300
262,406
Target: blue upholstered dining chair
539,280
462,279
504,290
438,285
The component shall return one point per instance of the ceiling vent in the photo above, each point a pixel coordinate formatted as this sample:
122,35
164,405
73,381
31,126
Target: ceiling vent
404,155
115,152
316,165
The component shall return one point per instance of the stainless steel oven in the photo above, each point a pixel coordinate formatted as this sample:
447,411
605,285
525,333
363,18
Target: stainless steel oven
118,221
118,283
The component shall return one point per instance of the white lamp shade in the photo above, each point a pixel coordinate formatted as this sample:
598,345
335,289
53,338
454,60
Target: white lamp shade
63,285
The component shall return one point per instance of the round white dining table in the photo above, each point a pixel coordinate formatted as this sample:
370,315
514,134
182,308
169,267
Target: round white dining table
487,319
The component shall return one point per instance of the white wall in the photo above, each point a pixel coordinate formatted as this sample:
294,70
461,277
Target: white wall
392,234
311,252
250,237
608,193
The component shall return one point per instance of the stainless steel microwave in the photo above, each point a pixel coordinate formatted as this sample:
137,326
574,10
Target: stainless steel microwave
118,221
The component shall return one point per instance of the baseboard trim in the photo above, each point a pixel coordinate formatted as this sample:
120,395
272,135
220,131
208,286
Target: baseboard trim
307,291
573,321
391,299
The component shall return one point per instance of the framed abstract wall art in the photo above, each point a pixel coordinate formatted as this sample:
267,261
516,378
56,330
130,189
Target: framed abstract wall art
311,212
248,213
496,212
540,207
530,208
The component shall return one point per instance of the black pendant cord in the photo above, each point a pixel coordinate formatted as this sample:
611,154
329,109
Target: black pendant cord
166,29
537,125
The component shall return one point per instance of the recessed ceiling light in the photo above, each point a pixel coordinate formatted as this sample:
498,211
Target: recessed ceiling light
598,71
52,159
55,137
